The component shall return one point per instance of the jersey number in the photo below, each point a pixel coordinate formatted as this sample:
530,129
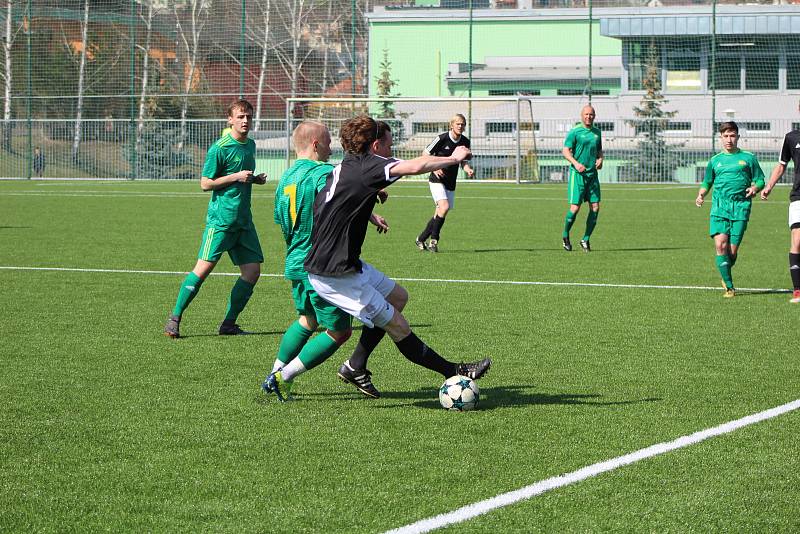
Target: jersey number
291,192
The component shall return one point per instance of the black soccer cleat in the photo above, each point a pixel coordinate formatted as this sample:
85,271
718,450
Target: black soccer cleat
360,378
231,329
420,244
172,328
566,244
474,370
585,246
433,245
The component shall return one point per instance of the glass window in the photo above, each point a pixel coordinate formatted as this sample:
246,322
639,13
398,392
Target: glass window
638,64
754,126
429,127
761,72
683,74
727,74
604,126
499,127
679,126
793,72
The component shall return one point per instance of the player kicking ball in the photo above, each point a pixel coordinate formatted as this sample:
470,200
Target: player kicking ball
341,215
737,177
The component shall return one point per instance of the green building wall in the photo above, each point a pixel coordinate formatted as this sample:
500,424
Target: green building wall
419,52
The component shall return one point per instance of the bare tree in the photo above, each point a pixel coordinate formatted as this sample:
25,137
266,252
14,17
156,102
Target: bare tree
263,38
196,13
294,18
8,41
76,139
147,18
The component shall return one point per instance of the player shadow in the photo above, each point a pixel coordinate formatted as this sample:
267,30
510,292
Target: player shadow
758,292
16,227
639,249
249,333
492,398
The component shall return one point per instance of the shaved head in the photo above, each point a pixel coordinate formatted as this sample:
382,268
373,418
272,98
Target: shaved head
305,134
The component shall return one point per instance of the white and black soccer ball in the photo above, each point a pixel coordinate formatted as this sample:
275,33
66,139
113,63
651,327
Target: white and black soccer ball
459,393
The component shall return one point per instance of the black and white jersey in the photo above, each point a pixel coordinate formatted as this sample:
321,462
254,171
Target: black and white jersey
342,210
791,152
444,146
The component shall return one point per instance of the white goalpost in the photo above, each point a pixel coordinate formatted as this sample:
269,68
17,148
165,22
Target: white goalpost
502,130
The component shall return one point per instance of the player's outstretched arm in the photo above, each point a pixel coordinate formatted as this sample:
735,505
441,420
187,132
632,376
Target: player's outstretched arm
207,184
424,164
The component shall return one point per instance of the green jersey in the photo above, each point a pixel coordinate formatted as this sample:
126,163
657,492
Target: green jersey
731,175
294,208
229,207
586,145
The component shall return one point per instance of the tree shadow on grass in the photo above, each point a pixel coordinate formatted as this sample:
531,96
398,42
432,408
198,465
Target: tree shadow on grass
757,292
560,250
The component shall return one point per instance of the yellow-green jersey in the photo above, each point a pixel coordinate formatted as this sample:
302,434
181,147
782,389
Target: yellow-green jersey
294,210
229,207
731,175
586,145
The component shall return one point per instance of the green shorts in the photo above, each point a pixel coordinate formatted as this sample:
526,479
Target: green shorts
241,245
734,229
307,302
583,187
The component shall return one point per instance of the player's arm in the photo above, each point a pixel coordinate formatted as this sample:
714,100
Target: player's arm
758,179
705,186
468,169
568,155
212,184
776,175
424,164
598,163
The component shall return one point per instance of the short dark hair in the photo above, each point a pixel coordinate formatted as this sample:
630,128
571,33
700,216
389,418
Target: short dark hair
241,104
727,126
358,133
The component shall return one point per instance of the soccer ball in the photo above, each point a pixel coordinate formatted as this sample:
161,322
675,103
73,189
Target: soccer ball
459,393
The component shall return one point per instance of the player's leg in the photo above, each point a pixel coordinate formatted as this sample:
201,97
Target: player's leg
370,337
246,253
722,247
794,250
211,249
592,196
426,233
443,207
575,194
300,331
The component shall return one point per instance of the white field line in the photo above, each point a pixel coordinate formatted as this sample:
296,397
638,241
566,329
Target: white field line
424,280
505,499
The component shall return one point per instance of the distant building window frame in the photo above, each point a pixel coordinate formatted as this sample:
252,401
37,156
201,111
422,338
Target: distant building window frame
514,92
429,127
581,92
679,126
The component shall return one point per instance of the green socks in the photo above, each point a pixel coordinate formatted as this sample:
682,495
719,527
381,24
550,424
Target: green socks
591,222
724,266
316,351
240,294
189,289
568,222
293,342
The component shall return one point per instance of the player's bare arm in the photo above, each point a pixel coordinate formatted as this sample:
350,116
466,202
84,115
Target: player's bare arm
777,172
598,163
425,164
207,184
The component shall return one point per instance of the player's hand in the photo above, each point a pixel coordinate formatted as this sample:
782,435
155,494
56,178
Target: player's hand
699,200
469,170
580,167
765,192
438,173
751,191
462,153
380,223
598,164
383,194
243,176
260,179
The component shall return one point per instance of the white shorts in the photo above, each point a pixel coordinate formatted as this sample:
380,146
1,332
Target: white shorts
362,295
439,192
794,213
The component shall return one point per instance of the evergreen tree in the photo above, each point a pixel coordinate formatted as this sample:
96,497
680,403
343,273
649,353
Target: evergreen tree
161,158
655,160
385,85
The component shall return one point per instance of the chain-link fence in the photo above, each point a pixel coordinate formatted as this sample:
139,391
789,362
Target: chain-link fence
138,88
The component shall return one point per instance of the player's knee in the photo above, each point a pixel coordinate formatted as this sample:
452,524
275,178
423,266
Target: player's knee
398,297
398,328
340,337
309,323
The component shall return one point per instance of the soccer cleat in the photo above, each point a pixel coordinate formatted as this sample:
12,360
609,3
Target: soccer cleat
585,246
360,378
474,370
729,293
172,328
566,244
795,297
433,245
231,329
277,385
420,244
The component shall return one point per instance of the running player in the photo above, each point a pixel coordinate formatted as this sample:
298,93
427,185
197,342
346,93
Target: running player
443,181
335,270
228,174
790,152
583,148
294,204
737,177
